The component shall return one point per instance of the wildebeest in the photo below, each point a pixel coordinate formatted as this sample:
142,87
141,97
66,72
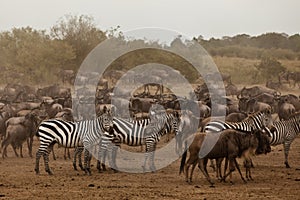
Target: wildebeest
230,144
19,130
285,109
236,117
252,105
292,99
257,90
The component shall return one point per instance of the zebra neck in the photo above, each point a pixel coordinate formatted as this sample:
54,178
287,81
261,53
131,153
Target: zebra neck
88,127
248,126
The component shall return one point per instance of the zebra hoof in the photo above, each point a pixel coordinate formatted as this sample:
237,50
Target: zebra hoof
88,172
74,167
287,165
49,172
81,167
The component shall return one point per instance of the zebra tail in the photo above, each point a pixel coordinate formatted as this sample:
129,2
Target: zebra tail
183,158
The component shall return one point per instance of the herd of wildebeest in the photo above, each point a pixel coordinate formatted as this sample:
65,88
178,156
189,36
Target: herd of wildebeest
24,107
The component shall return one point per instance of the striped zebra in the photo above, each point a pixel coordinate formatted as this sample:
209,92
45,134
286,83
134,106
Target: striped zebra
161,124
70,134
258,120
105,147
140,132
284,132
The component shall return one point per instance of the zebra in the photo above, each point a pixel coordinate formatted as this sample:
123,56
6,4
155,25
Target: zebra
139,132
161,124
70,134
256,121
106,140
284,132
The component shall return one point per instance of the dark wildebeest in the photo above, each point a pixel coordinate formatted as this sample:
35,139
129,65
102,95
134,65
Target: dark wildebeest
230,145
285,109
19,130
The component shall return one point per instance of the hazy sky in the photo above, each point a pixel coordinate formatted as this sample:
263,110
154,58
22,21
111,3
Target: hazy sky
209,18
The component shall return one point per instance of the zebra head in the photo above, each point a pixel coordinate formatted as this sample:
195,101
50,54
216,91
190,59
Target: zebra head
106,121
260,120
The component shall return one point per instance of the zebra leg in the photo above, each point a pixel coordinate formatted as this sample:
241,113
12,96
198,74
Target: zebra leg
286,147
51,149
46,163
81,149
75,158
101,158
77,152
65,153
114,157
152,166
145,161
87,162
37,162
152,153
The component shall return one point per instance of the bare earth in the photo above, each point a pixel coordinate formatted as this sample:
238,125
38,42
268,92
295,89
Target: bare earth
271,180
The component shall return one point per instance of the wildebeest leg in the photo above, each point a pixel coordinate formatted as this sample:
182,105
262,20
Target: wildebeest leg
225,169
286,147
212,164
187,167
231,169
202,165
29,143
14,146
4,145
239,170
247,164
21,151
218,164
192,171
193,160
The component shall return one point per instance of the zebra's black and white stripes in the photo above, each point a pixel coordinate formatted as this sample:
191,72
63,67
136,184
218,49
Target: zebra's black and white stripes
139,132
70,134
256,121
284,132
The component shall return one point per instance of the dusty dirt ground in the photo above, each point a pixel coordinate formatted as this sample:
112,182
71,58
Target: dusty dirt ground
271,180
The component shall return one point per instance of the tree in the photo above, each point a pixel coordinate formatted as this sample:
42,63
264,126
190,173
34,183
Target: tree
33,53
269,68
80,32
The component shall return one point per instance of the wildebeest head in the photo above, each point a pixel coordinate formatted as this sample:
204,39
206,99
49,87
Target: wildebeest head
264,146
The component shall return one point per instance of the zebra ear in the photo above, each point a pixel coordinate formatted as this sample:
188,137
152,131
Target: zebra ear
152,112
